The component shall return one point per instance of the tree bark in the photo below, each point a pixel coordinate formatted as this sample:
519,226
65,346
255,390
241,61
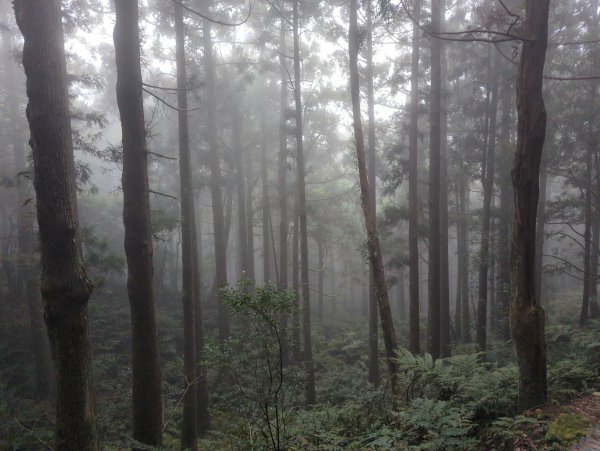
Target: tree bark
526,315
434,289
539,233
444,271
463,242
373,245
64,284
215,178
487,181
413,188
307,354
372,174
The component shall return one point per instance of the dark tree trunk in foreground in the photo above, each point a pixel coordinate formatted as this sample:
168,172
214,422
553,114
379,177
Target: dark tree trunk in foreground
215,178
487,181
433,319
594,309
374,249
27,261
539,232
413,189
304,289
444,270
372,174
526,315
146,378
64,285
190,293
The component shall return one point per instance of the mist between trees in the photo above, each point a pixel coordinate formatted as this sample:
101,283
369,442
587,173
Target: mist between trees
299,224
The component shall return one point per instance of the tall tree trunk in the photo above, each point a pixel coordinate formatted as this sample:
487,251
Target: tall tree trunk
321,247
487,181
401,296
282,183
413,188
463,242
220,240
444,271
503,295
434,289
539,232
526,315
146,377
459,261
266,226
307,354
373,245
250,218
194,415
594,308
64,284
236,130
296,284
372,174
27,261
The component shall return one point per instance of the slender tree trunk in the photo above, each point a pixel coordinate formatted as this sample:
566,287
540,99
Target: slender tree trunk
307,354
434,289
413,188
220,240
64,285
539,233
594,308
374,248
321,247
250,218
463,242
458,326
401,296
236,129
526,315
266,229
296,285
282,183
444,271
487,181
587,237
503,296
372,173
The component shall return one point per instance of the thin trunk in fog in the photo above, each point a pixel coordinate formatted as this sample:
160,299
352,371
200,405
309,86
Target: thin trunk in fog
539,231
526,315
413,188
463,264
236,131
194,415
282,182
266,226
295,285
215,177
594,308
372,174
401,296
303,232
373,245
503,295
434,289
444,271
487,182
64,284
457,301
321,247
250,218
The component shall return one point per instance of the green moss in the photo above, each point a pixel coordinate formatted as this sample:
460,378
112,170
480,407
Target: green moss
567,428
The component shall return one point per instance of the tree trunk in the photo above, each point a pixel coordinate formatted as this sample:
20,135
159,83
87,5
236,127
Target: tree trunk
372,174
444,276
373,245
27,261
250,219
236,131
487,181
434,289
215,179
503,295
463,242
307,354
458,327
401,297
526,315
64,285
594,308
321,247
413,188
539,234
146,377
295,285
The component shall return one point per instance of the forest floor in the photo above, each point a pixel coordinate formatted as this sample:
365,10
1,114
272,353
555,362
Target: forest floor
577,422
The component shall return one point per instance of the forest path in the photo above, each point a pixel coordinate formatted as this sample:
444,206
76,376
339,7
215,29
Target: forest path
588,407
